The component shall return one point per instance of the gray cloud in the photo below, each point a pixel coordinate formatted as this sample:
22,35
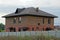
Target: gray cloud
35,3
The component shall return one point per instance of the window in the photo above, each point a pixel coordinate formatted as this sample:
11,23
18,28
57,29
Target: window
32,29
12,29
19,29
19,19
49,21
48,28
43,20
38,24
25,28
14,20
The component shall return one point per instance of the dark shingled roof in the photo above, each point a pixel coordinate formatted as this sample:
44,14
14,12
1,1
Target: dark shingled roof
30,11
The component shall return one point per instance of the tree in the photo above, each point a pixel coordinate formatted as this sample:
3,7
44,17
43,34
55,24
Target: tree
2,26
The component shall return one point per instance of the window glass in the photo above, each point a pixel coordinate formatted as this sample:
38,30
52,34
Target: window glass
14,20
49,21
19,19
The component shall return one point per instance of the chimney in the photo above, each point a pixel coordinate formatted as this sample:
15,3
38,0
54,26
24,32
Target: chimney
37,9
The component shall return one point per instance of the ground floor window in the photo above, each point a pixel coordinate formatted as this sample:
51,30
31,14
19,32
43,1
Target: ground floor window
32,29
19,29
48,28
23,29
12,29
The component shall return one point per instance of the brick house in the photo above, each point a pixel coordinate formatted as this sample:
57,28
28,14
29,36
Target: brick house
29,19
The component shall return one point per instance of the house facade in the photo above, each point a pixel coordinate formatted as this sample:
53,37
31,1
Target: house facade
29,19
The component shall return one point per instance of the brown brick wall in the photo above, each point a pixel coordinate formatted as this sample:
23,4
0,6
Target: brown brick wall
29,21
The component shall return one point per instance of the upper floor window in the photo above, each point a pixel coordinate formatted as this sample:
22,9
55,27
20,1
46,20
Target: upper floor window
43,20
14,20
49,21
19,19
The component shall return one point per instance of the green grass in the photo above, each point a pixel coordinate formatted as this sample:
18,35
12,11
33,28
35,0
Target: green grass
2,30
29,38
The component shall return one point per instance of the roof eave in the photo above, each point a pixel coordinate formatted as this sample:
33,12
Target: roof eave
56,17
31,15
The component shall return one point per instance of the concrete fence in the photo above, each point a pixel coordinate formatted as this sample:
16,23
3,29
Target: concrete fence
18,35
31,33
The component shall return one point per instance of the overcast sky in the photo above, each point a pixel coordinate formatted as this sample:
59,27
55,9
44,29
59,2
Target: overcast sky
50,6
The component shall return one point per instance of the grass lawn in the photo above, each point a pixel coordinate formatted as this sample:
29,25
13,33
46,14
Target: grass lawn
29,38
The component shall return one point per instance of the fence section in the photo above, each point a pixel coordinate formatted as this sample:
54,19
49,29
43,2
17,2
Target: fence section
18,35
